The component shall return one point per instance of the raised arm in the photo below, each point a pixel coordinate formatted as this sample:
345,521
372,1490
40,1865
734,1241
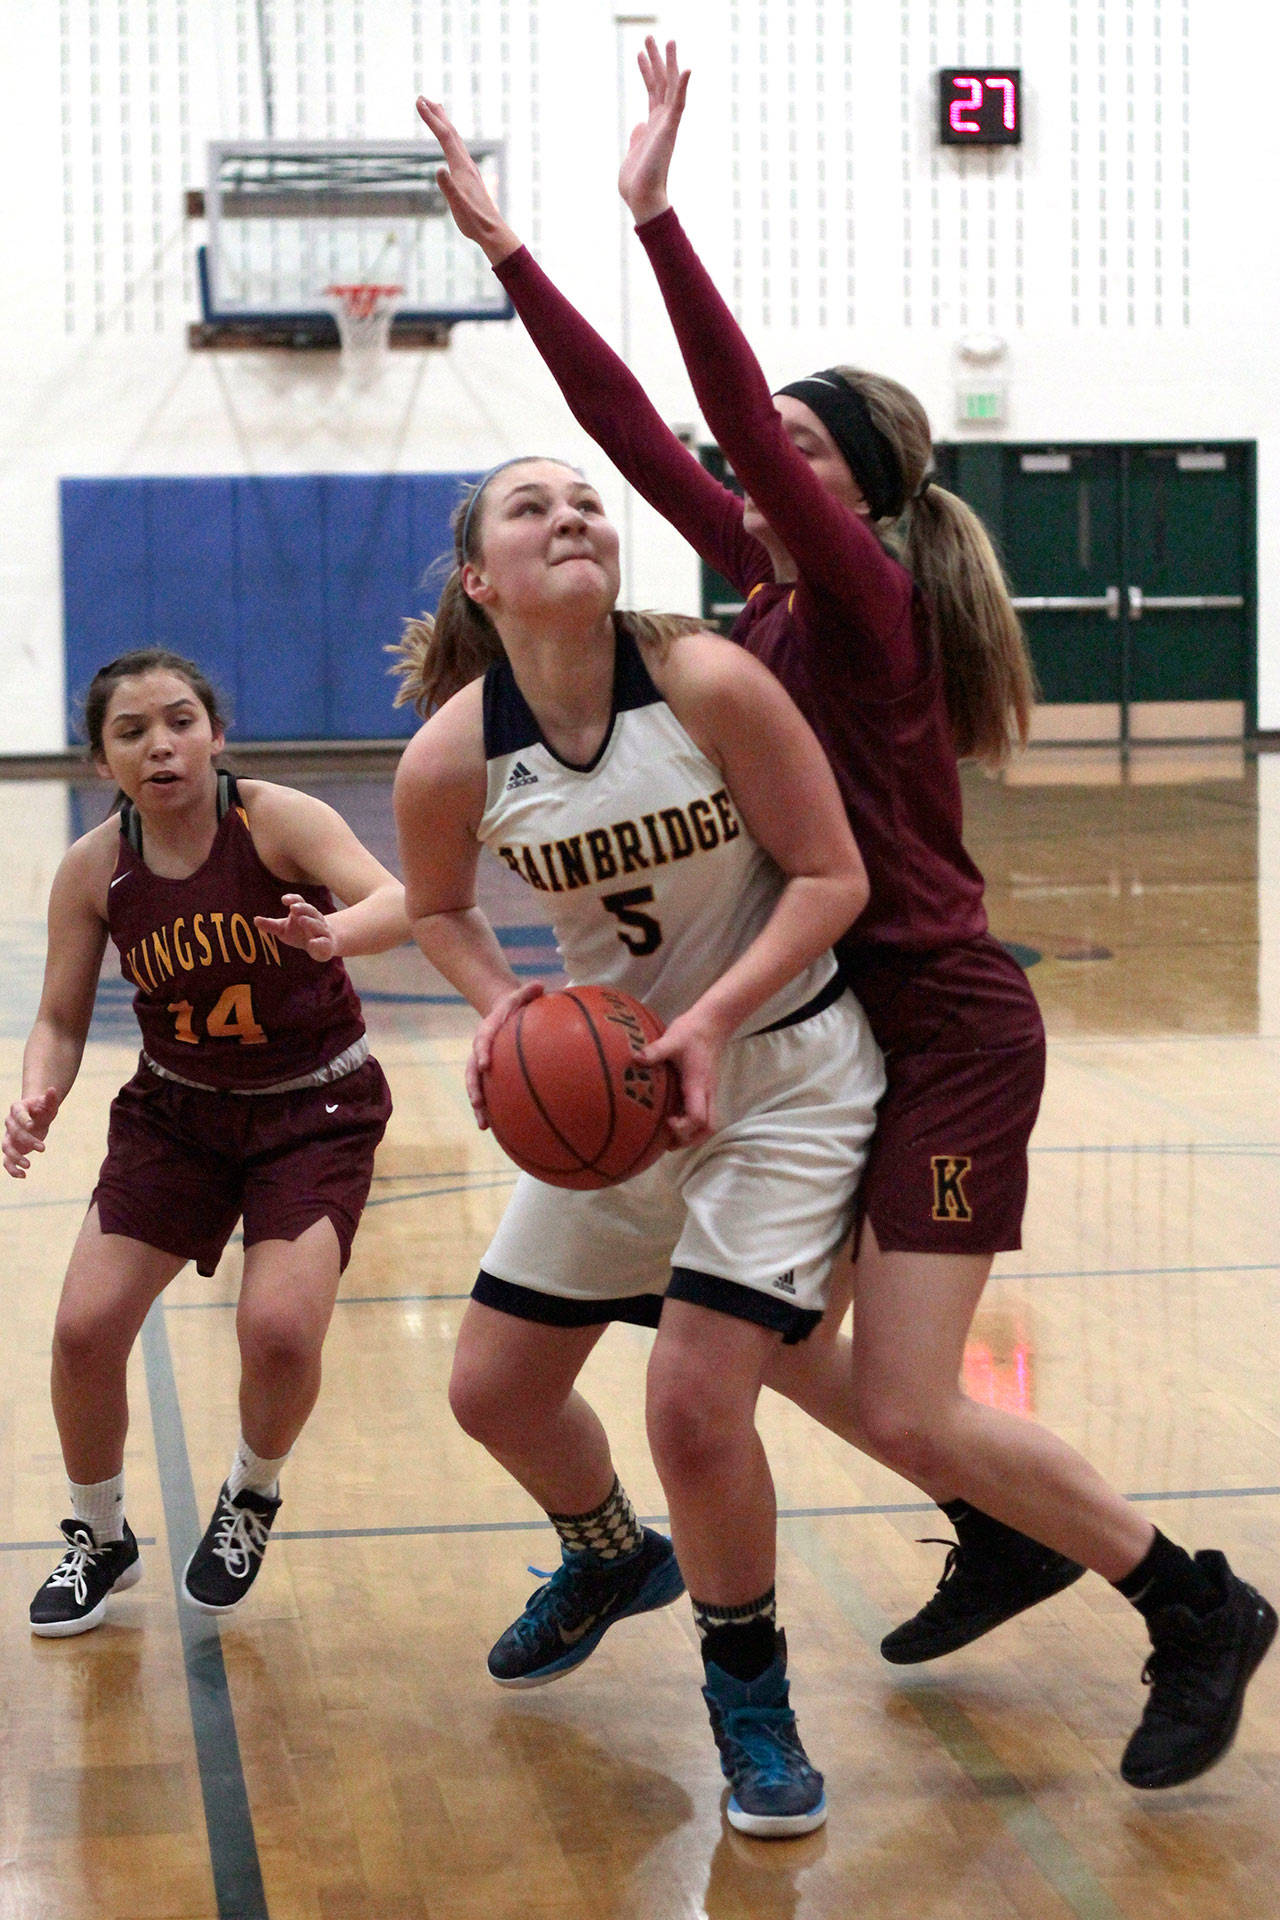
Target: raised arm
835,551
603,394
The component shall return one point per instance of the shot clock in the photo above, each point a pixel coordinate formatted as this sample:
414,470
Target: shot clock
980,106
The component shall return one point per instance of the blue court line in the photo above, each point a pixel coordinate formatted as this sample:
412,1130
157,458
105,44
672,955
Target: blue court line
439,1193
348,1300
432,1173
1268,1150
1071,1273
383,997
1010,1803
1135,1273
57,1546
466,1185
1243,1149
233,1847
876,1511
538,935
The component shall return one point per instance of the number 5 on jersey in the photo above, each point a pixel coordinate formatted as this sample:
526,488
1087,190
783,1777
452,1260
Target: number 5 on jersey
639,932
231,1019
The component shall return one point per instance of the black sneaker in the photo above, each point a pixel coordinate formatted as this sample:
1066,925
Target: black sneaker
566,1619
979,1589
74,1597
776,1792
1198,1669
225,1565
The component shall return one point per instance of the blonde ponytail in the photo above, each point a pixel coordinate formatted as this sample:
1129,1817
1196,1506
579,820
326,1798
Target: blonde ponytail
987,673
439,654
986,670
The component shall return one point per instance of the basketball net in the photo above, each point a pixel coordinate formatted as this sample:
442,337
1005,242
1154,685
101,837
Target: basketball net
364,314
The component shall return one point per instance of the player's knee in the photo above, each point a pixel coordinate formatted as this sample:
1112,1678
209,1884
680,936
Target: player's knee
480,1401
278,1343
85,1338
898,1432
692,1431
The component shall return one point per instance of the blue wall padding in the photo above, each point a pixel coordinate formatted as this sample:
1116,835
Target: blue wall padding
281,624
285,589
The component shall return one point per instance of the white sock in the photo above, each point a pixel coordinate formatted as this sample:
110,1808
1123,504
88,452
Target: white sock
100,1505
249,1471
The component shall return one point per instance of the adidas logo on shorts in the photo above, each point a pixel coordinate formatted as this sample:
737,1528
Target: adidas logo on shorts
786,1282
520,776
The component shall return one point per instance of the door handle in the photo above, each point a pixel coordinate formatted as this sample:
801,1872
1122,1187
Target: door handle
1108,603
1140,602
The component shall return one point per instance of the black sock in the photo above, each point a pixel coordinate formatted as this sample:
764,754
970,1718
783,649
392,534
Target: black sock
743,1640
962,1516
1167,1576
977,1529
745,1649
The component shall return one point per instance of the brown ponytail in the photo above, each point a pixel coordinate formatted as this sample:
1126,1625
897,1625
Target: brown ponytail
987,672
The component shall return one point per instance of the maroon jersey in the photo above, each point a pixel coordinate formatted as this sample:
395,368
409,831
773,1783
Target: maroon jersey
219,1002
849,639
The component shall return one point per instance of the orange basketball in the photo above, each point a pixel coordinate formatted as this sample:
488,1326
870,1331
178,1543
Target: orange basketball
567,1098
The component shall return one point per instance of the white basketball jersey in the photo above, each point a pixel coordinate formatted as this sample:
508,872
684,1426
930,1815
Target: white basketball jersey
651,881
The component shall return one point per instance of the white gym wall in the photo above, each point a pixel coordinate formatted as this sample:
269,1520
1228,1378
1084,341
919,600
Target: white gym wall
1124,252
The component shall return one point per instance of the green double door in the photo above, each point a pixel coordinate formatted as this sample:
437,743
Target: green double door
1133,570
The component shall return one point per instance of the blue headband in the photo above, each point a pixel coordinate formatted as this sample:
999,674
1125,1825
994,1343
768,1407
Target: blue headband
516,460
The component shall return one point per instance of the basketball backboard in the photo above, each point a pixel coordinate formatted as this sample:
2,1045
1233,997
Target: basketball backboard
289,219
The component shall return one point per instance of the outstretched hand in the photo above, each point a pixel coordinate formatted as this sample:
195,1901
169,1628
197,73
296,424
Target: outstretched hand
642,181
25,1127
462,184
303,926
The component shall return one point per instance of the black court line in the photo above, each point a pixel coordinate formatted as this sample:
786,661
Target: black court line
233,1847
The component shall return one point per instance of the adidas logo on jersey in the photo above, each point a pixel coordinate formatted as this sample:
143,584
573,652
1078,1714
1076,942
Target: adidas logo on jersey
786,1282
520,776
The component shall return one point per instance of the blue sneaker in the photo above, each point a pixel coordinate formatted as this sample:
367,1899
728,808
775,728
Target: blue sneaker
776,1793
565,1620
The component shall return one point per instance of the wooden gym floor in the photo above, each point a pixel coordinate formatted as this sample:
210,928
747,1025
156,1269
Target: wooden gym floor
336,1752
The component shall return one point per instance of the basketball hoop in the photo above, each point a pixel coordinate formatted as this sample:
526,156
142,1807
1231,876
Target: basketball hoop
364,313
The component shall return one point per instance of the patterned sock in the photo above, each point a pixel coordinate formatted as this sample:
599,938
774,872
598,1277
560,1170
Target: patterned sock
742,1641
100,1504
610,1530
1167,1576
249,1471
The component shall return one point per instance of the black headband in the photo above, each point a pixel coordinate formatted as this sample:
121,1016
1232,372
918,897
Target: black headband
867,452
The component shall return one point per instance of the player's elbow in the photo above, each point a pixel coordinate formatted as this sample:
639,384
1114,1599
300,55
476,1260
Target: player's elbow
846,893
859,889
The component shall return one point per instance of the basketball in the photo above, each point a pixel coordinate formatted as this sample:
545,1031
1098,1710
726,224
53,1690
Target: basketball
568,1101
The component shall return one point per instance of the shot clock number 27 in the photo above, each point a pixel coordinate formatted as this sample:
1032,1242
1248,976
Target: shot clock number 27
980,106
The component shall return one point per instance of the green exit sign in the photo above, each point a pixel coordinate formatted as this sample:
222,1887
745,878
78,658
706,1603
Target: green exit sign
983,406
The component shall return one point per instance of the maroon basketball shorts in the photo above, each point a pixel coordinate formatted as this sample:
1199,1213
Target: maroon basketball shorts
183,1165
964,1052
